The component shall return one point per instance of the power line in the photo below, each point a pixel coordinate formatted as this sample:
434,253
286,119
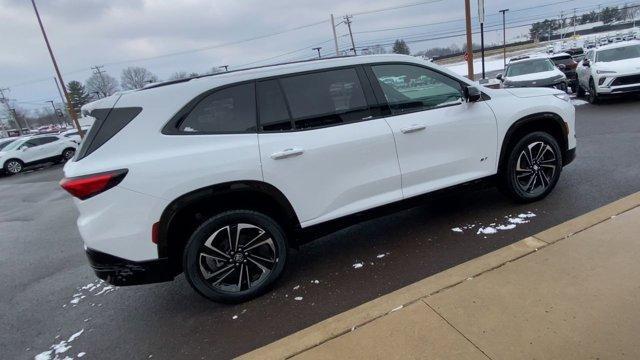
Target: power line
395,7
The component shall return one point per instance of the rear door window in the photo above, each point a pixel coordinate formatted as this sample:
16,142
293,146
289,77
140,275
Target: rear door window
229,110
325,98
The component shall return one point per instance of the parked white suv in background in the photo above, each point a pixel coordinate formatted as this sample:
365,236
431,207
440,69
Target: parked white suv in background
219,175
32,150
610,70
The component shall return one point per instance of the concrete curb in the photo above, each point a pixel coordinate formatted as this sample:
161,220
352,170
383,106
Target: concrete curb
361,315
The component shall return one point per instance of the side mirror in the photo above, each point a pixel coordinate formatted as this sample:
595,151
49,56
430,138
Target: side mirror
499,77
562,67
586,63
472,94
24,148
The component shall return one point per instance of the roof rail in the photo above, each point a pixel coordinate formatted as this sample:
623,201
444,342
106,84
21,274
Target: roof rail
171,82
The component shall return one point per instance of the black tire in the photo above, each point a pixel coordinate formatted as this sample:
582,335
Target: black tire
67,154
580,92
574,88
593,94
224,260
13,166
527,181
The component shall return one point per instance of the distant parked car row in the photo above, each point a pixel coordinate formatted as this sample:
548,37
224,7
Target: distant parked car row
18,153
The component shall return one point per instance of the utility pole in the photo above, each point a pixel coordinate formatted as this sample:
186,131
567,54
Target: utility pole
61,98
318,50
561,25
504,37
574,22
98,71
481,19
335,37
10,111
55,110
72,113
15,116
467,12
347,20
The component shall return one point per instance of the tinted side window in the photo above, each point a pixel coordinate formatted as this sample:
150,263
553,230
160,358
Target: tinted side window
46,140
230,110
325,98
410,88
272,107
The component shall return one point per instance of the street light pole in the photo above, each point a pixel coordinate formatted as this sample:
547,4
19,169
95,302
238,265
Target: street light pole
481,19
504,37
72,113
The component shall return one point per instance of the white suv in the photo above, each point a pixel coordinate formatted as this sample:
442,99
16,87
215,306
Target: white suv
218,175
610,70
32,150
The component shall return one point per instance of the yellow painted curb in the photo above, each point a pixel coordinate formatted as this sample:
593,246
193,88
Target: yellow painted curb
349,320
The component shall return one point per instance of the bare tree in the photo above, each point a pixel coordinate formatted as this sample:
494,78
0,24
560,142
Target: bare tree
101,84
178,75
135,77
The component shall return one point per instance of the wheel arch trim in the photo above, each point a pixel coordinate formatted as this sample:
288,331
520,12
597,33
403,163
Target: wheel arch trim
530,119
219,190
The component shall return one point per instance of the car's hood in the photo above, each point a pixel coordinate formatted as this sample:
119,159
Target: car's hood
621,66
536,76
532,92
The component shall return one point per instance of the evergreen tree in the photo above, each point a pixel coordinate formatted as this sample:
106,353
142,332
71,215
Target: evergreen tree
400,47
78,95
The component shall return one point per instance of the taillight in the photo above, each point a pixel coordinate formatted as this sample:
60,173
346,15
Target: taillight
84,187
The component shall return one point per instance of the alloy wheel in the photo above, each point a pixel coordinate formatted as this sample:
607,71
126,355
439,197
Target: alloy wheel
536,168
14,167
237,257
68,154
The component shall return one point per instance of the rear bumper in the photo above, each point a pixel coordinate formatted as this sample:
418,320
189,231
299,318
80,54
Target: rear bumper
122,272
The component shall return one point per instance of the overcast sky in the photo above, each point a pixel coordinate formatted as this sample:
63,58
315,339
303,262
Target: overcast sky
164,36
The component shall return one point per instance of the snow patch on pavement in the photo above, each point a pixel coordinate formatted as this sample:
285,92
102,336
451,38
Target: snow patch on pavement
59,348
358,265
96,288
509,223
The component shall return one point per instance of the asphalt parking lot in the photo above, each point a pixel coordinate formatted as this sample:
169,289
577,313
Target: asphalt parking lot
50,297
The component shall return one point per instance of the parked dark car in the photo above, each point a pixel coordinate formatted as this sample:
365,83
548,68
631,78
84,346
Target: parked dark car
568,68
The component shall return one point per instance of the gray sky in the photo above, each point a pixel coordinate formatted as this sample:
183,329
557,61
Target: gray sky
121,33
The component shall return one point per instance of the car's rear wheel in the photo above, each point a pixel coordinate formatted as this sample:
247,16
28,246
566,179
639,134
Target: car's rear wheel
13,166
235,256
532,168
67,154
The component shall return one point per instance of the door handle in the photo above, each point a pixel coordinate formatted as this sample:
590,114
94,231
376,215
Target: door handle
413,128
287,153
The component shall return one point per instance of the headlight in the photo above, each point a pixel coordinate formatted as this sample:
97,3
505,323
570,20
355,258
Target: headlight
605,72
563,96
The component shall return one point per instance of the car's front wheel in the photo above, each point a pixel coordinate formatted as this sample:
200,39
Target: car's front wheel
235,256
532,167
13,166
593,93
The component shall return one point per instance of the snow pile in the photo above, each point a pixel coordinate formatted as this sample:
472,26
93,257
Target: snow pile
510,223
59,348
358,265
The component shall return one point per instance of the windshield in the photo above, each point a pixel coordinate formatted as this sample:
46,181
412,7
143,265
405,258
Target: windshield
621,53
4,144
14,145
529,67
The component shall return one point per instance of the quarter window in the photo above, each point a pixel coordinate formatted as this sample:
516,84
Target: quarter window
230,110
409,88
325,98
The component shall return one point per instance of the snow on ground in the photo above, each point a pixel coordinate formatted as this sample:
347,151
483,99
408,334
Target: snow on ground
509,223
358,265
578,102
60,348
96,288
